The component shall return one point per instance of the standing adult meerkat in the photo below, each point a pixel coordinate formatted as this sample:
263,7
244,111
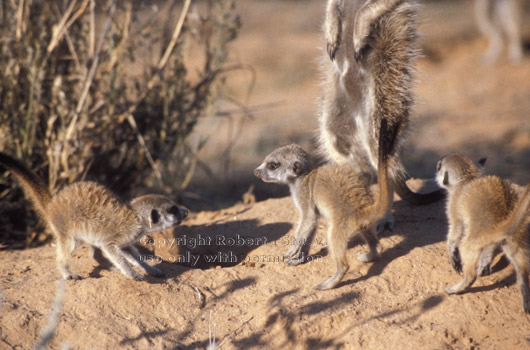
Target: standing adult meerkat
337,192
372,45
89,212
500,21
484,212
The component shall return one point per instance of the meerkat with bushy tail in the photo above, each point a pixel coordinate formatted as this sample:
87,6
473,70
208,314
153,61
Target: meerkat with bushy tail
372,46
89,212
339,194
497,20
484,212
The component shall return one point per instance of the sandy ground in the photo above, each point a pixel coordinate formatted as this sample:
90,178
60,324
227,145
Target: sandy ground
231,280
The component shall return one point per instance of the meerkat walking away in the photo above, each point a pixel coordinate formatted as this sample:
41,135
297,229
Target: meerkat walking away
89,212
372,45
497,20
484,212
336,192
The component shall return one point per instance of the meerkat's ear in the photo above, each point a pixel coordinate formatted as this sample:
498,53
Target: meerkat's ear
298,168
154,218
446,178
482,161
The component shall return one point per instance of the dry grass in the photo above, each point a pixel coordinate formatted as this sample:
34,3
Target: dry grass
104,91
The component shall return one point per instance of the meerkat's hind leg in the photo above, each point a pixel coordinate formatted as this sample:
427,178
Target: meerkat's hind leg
372,241
486,258
386,222
337,245
119,259
520,259
456,233
522,281
470,256
65,247
101,259
132,256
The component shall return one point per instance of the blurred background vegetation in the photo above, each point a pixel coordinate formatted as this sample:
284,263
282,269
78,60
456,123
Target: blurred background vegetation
107,91
87,91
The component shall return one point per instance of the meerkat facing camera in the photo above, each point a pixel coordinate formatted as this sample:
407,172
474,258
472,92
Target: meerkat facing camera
336,192
499,19
372,46
484,212
89,212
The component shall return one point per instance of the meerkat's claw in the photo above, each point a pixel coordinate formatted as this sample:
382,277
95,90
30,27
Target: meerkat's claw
296,261
332,50
138,277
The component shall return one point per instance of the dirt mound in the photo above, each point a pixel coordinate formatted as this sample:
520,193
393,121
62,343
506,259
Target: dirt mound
258,302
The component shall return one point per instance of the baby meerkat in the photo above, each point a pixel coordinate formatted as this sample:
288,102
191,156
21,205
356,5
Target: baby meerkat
336,192
89,212
484,212
372,46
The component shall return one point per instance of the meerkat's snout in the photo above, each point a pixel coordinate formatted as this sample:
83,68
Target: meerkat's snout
178,213
257,173
183,213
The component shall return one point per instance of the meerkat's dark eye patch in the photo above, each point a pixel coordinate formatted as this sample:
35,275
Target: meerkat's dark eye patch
155,216
446,178
273,165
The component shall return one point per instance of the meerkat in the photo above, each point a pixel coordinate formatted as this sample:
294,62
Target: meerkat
497,20
336,192
89,212
372,46
484,212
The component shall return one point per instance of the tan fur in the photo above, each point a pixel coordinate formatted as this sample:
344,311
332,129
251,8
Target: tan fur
338,193
89,212
500,21
484,212
372,46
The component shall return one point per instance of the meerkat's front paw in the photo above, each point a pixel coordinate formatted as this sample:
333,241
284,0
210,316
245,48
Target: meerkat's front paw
364,20
454,289
324,285
292,251
333,28
137,277
366,257
361,32
332,49
300,259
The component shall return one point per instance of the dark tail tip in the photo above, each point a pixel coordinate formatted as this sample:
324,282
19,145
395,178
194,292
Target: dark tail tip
387,138
405,193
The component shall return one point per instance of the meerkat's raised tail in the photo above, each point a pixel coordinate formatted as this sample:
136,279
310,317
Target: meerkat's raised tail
34,186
